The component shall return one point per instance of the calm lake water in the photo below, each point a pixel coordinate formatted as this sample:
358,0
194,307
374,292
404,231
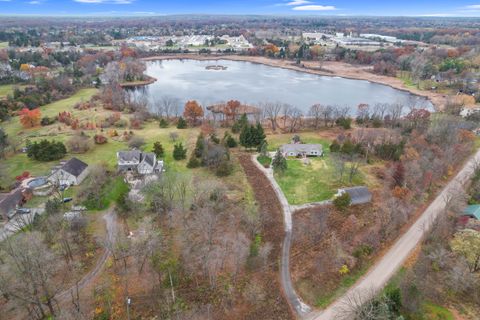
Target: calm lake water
255,83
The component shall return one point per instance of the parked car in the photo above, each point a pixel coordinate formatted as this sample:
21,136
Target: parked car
65,200
23,210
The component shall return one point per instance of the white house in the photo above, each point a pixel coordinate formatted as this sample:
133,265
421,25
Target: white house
141,162
301,150
72,172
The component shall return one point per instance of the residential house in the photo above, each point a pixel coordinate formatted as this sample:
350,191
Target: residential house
301,150
72,172
472,211
358,195
138,161
10,202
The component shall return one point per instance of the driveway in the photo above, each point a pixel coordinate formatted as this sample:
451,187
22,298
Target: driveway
391,262
294,300
111,226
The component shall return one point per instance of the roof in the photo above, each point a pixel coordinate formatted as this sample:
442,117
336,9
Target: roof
10,201
358,195
301,147
149,157
472,211
74,166
130,156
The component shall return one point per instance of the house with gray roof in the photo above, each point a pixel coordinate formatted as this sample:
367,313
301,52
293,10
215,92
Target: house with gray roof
10,202
139,162
301,150
358,195
72,172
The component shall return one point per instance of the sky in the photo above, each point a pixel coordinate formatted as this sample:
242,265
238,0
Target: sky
432,8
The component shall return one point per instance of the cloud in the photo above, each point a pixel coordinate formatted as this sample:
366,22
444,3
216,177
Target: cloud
314,8
297,2
473,7
105,1
35,2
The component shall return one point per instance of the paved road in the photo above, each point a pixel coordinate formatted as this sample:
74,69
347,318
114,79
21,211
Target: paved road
389,264
111,226
293,299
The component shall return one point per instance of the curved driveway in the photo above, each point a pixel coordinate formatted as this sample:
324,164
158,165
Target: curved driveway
293,299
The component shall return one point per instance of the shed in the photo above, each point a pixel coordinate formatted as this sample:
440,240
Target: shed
358,195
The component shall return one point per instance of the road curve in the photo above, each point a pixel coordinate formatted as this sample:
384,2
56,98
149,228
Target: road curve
390,263
294,300
111,227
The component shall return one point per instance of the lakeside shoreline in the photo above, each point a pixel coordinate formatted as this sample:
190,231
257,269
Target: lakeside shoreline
329,69
147,81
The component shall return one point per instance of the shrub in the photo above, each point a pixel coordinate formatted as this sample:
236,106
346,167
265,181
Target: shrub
230,141
225,168
179,152
377,122
342,201
46,121
193,162
99,139
46,150
214,138
335,146
181,124
78,144
136,142
158,149
163,123
345,123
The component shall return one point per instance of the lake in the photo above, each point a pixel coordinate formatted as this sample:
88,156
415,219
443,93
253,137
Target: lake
253,83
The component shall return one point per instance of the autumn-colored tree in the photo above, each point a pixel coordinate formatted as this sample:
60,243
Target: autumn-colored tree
231,109
30,118
193,111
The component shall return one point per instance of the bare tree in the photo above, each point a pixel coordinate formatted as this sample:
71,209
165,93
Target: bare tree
28,274
271,112
296,119
315,112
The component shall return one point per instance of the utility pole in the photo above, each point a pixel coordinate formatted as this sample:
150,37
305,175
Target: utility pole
128,307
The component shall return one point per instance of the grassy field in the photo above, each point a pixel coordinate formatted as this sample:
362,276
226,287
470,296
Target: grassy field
3,45
314,182
14,129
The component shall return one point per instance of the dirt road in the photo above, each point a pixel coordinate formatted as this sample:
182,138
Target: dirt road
111,226
389,264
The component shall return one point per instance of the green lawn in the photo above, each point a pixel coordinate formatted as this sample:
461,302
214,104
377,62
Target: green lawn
3,45
314,182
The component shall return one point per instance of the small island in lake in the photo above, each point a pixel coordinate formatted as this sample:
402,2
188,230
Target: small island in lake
216,67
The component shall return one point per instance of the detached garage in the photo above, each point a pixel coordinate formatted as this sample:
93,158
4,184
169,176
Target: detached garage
73,172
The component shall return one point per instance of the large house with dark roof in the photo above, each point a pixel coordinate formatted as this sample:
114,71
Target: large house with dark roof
72,172
139,162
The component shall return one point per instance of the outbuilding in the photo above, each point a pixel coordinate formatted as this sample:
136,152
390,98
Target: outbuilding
72,172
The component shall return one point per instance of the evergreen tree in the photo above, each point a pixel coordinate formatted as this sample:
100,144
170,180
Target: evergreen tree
193,162
229,141
240,124
246,137
179,152
279,162
259,136
164,123
199,146
182,124
158,149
